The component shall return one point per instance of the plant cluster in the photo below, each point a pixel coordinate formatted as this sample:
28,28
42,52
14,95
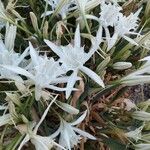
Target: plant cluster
65,70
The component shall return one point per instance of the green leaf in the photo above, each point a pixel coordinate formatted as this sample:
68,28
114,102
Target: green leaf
102,66
14,142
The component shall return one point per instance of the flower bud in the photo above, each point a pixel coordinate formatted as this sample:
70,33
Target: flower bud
122,65
45,30
142,146
34,21
68,108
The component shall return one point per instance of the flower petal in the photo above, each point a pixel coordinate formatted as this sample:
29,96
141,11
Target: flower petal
46,14
80,119
66,138
5,119
39,145
77,38
34,55
38,92
23,55
92,75
44,115
19,70
56,49
71,82
55,88
56,133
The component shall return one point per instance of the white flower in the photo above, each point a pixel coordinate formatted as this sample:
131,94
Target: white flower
73,58
68,137
40,142
109,17
123,25
30,131
43,72
65,7
8,56
109,14
127,26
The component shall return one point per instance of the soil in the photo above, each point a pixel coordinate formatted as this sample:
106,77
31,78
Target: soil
139,93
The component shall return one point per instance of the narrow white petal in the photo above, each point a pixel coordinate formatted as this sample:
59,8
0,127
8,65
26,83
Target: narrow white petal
19,70
70,84
56,49
34,55
93,75
44,115
80,119
84,134
95,43
2,46
56,133
60,80
112,41
92,17
46,14
99,35
67,139
55,88
38,92
23,55
15,78
5,119
77,38
63,80
39,145
59,146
